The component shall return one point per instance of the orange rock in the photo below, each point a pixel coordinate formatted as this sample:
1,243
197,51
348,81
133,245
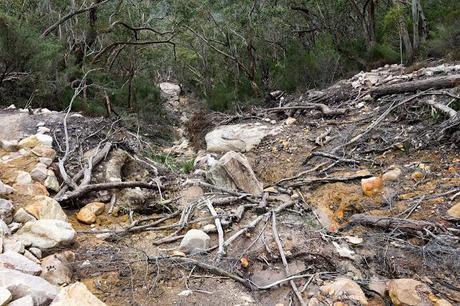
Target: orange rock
372,186
89,213
417,175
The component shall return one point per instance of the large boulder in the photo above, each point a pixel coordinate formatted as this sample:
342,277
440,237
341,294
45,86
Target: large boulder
22,284
46,208
233,171
76,295
195,241
46,233
237,137
16,261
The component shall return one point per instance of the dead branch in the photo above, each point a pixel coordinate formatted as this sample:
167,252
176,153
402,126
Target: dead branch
413,86
104,186
323,108
71,15
262,208
283,259
408,226
220,231
327,179
442,108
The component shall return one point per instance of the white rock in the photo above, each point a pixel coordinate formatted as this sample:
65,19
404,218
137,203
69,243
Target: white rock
238,137
12,106
210,228
23,177
9,145
14,226
22,216
76,295
233,171
4,229
45,160
290,121
43,130
36,252
16,261
45,234
170,90
343,289
40,172
5,296
6,211
5,189
194,241
10,244
56,268
24,301
22,284
52,182
41,123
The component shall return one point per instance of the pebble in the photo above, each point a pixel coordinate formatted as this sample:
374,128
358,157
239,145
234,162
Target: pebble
194,241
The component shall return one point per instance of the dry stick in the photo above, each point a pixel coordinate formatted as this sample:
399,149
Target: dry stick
301,173
327,180
104,186
262,208
220,231
206,185
283,259
326,110
442,108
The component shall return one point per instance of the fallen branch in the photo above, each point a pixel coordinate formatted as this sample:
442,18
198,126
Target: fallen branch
283,259
323,108
442,108
327,180
104,186
413,86
408,226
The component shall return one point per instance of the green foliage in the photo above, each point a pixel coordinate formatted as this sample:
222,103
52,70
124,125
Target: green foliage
383,53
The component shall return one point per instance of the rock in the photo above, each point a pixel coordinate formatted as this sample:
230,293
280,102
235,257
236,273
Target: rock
238,137
417,175
34,189
35,140
44,151
407,292
233,171
22,216
23,178
372,186
16,261
31,256
24,301
454,211
10,244
76,295
39,173
210,228
45,234
36,252
170,90
6,211
43,130
46,208
4,229
194,241
14,226
89,213
378,286
392,175
5,189
189,194
204,161
22,284
9,145
52,182
343,289
45,160
56,268
5,296
290,121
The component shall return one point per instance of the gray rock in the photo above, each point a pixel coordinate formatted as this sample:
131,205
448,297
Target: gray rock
22,216
6,211
5,296
9,145
23,178
40,172
45,160
238,137
52,182
194,241
22,284
16,261
24,301
233,171
36,252
46,233
14,226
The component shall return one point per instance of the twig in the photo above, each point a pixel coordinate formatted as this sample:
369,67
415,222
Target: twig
220,231
283,259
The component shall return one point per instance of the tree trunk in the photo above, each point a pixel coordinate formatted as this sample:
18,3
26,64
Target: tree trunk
415,21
